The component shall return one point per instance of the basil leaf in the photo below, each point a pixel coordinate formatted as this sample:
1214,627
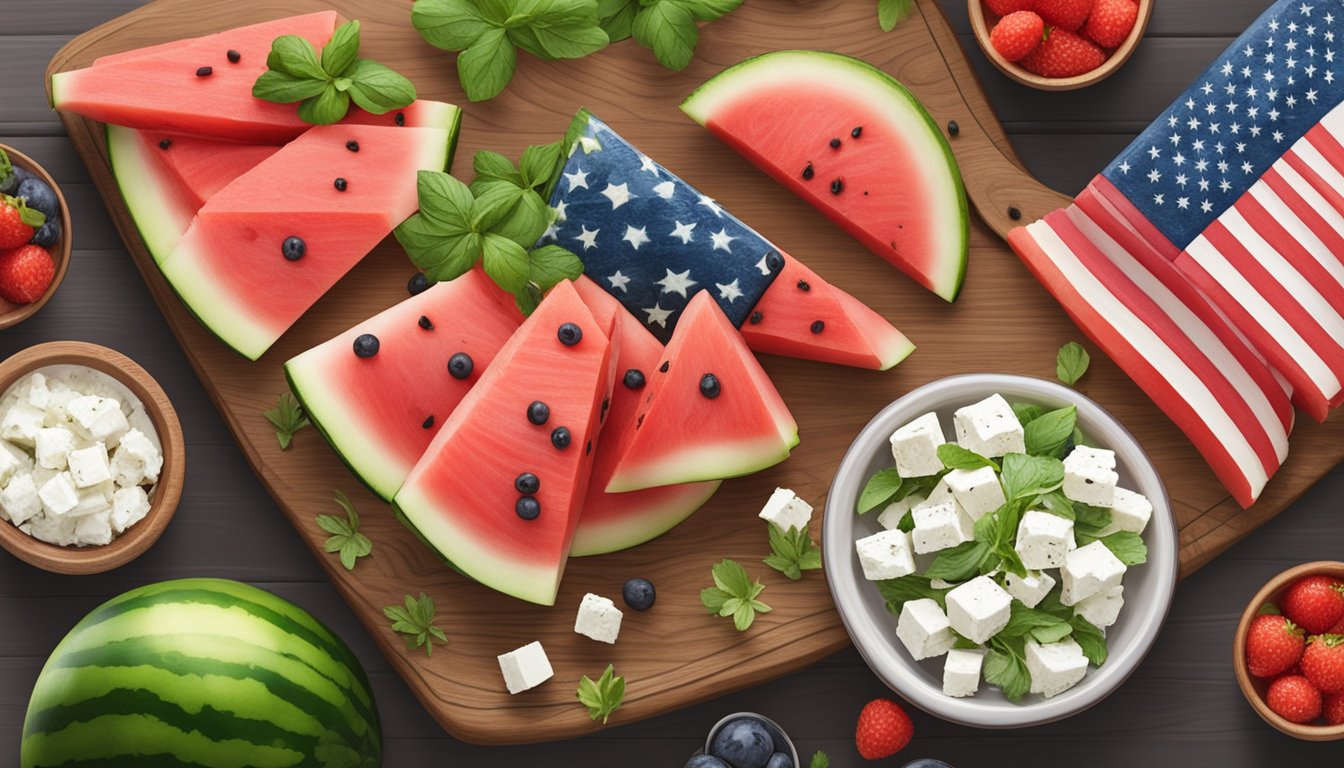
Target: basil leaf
378,89
487,65
1128,547
1056,503
669,30
709,10
505,262
617,17
281,88
897,592
954,456
571,41
452,25
444,200
539,164
296,57
1072,362
341,50
1026,476
444,256
1052,634
1027,413
498,12
326,108
907,522
551,264
1024,620
893,12
960,562
1090,639
1047,434
879,491
492,166
1089,522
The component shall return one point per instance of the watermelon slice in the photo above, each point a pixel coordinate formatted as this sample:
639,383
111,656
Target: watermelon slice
230,268
380,413
615,521
710,411
852,141
469,496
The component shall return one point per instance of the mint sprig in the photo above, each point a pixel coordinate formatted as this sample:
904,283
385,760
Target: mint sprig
602,696
325,87
898,592
287,417
1071,363
792,552
345,537
734,594
820,760
666,27
893,12
415,620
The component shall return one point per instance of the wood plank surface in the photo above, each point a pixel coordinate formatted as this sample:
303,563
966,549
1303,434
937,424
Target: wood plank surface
228,527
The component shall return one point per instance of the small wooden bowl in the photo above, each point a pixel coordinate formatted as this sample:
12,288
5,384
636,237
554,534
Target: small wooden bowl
1254,688
167,492
982,23
13,314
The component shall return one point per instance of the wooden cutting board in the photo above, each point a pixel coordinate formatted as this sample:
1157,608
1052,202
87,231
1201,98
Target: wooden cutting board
675,654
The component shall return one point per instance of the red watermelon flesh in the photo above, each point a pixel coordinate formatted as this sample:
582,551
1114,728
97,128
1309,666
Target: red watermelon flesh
463,496
615,521
380,413
683,435
202,167
246,40
228,267
785,322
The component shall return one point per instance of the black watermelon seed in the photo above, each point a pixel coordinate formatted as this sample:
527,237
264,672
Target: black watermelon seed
527,507
606,403
352,145
426,323
640,421
366,345
401,118
165,143
538,412
774,261
587,449
803,286
234,56
527,483
340,184
460,365
417,284
428,422
560,437
293,248
818,326
756,318
709,386
858,129
634,379
663,368
837,186
1014,213
569,334
205,71
952,127
835,143
808,172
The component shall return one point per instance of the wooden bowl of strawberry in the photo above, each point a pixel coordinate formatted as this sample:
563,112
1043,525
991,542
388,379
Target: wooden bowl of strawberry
1059,45
34,237
1289,652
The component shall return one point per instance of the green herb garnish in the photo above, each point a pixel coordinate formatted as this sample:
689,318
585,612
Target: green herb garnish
820,760
415,620
1128,547
666,27
792,552
734,594
287,417
345,536
603,696
1049,433
1071,363
898,592
954,456
893,12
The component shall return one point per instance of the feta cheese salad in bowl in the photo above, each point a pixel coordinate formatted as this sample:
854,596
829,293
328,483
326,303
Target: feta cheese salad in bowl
1000,548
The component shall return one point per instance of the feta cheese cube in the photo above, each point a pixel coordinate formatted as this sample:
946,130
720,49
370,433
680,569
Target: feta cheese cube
915,447
94,499
939,527
892,515
20,499
38,394
1103,608
961,672
924,629
977,490
1088,571
138,448
1043,539
598,619
98,418
57,416
885,555
52,446
58,495
13,460
1030,590
785,510
941,494
53,530
88,466
989,428
1083,456
979,609
525,668
94,530
1090,484
21,424
129,506
1055,667
1130,511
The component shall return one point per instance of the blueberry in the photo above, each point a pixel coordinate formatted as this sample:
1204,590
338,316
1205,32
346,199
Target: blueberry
779,760
777,738
569,334
743,743
527,483
234,56
634,379
925,762
366,345
709,386
39,196
538,412
706,761
639,594
293,248
527,507
561,438
340,184
47,235
460,365
417,284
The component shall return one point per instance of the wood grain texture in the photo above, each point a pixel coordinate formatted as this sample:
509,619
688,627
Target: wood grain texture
673,656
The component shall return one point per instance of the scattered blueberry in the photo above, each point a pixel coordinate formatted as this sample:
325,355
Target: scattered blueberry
47,235
428,423
639,594
538,412
527,483
460,365
234,56
426,323
293,248
743,743
569,334
417,284
560,437
777,738
835,143
774,261
1015,213
709,386
39,196
706,761
205,71
925,762
780,759
341,184
527,507
818,326
634,379
952,128
352,145
366,345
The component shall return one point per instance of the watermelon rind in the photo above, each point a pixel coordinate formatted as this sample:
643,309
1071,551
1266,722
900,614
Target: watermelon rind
876,89
158,212
645,522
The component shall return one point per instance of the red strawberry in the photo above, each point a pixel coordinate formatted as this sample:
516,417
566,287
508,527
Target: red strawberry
1005,7
1063,54
1111,21
25,273
1294,699
1323,663
16,226
1068,14
1334,709
1273,644
884,729
1338,629
1017,34
1314,603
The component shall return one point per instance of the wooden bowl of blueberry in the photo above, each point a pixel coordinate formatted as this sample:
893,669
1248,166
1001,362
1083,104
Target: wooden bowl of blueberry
34,237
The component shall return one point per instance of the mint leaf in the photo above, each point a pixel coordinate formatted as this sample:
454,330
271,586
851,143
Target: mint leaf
492,166
1088,523
820,760
378,89
898,592
734,594
1051,604
1071,363
1048,433
1053,633
668,29
572,40
442,254
602,696
1024,620
1006,666
296,57
341,50
1128,547
954,456
617,17
1027,413
505,261
880,490
893,12
287,417
284,88
792,552
448,24
960,562
1090,639
415,620
487,65
345,536
540,163
444,200
326,108
1029,476
325,88
1056,503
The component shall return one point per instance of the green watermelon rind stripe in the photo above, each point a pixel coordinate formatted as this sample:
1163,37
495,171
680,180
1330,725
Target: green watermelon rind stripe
84,747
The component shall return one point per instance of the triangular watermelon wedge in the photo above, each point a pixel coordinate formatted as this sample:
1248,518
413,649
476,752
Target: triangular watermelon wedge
615,521
710,412
380,413
468,496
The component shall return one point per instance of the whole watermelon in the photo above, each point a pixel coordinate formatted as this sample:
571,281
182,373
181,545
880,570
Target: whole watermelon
201,672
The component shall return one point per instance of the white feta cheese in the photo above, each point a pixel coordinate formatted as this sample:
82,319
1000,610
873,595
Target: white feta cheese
941,494
1130,511
924,629
525,668
138,448
1043,539
979,609
58,495
1083,456
939,583
94,530
598,619
20,499
892,515
129,506
98,418
56,414
21,424
94,499
915,447
13,460
961,672
785,510
1103,608
989,428
38,394
977,490
1055,667
52,446
53,530
885,555
88,466
1030,590
1090,484
1088,571
939,527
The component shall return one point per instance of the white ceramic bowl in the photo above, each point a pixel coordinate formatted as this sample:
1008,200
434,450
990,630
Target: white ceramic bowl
1148,588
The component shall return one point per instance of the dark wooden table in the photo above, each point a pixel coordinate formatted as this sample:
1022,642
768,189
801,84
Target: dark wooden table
1182,707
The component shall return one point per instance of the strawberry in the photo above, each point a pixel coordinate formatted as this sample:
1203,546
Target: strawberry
1273,644
1067,14
17,222
1338,629
1004,7
1017,34
25,273
1294,699
1323,663
1333,709
1110,22
1063,54
884,729
1314,603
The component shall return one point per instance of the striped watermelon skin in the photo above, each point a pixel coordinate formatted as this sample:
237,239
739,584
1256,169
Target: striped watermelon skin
206,673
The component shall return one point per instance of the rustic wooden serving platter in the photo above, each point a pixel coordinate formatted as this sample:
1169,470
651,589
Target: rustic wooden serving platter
673,655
